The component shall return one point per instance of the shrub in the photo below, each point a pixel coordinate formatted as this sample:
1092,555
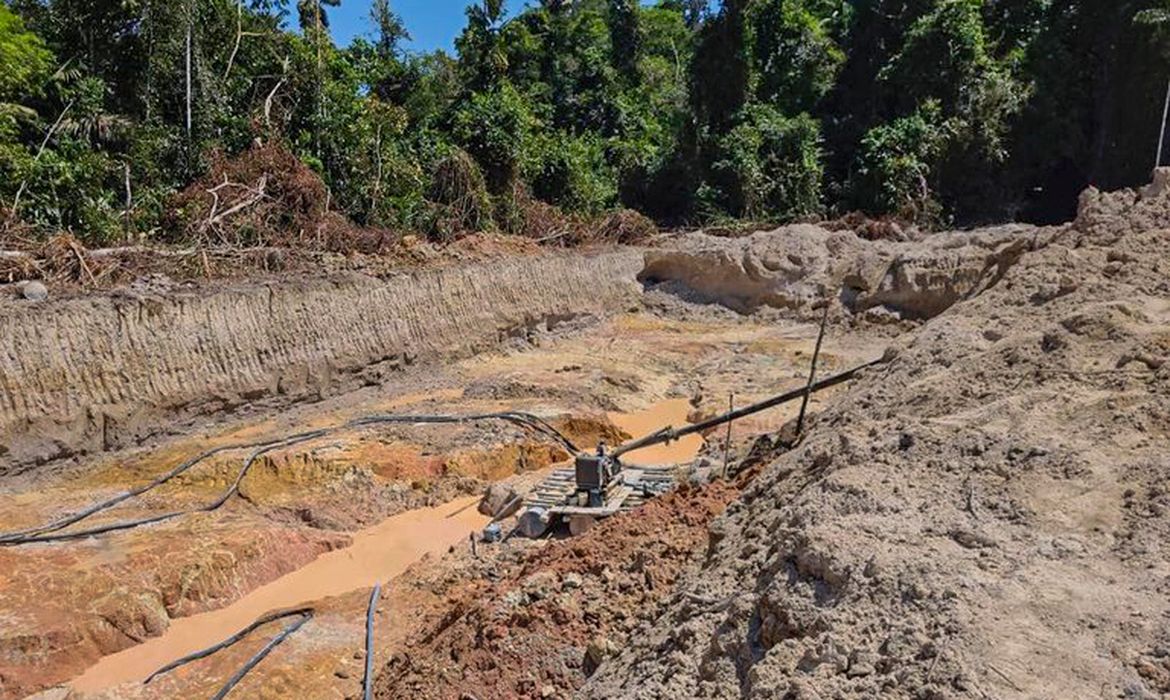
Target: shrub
262,196
896,162
571,173
768,166
624,226
458,196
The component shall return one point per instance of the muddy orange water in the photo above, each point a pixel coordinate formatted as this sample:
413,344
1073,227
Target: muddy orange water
377,554
672,412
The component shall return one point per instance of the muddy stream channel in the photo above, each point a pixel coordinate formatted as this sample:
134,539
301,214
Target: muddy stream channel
377,554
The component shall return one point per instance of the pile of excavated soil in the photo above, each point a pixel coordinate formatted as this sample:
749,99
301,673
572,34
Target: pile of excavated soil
986,515
538,625
795,268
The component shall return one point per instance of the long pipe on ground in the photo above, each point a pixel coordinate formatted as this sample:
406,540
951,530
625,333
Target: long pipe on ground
669,434
259,656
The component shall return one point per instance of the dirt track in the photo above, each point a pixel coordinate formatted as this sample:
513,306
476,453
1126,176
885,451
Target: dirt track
983,516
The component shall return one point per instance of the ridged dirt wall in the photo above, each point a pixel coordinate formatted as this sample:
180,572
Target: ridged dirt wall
102,372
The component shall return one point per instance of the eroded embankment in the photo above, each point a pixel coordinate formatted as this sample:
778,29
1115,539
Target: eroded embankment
795,267
104,372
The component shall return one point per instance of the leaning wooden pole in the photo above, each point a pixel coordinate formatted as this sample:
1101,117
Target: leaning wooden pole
812,372
1162,133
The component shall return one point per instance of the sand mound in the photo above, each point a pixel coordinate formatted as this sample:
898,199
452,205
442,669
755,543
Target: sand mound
795,267
987,515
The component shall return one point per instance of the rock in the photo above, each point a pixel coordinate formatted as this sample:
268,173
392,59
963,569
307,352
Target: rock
861,663
499,501
539,585
598,650
826,653
571,581
34,291
342,673
548,691
800,689
971,540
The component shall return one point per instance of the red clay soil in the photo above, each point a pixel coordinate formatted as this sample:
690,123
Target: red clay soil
541,626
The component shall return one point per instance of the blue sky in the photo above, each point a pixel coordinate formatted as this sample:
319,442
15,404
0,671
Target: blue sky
433,24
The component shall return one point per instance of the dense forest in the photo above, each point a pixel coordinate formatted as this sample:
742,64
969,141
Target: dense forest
936,111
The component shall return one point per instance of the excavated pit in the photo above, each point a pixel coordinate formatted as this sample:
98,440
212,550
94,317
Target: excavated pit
127,385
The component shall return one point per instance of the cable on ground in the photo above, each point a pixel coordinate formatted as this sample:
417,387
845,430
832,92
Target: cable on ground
51,532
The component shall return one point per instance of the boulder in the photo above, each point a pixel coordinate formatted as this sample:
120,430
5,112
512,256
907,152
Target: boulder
499,501
34,291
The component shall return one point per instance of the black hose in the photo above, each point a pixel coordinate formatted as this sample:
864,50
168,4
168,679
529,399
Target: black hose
304,613
50,532
368,679
98,507
153,519
259,656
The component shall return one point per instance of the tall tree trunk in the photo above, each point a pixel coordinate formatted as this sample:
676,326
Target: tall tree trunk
188,70
320,78
1106,89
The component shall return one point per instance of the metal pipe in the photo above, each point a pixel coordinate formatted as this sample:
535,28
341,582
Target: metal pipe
669,434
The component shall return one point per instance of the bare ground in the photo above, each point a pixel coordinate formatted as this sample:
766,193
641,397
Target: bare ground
984,515
108,594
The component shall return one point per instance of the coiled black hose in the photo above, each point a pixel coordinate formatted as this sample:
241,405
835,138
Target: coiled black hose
51,532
